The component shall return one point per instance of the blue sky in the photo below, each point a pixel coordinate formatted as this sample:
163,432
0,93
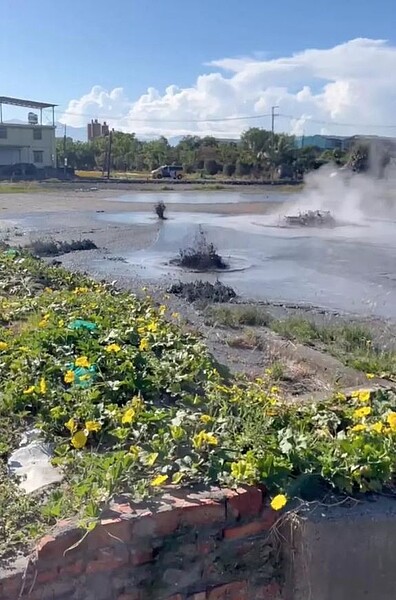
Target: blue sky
57,51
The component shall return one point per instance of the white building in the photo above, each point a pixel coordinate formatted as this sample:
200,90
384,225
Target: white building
30,143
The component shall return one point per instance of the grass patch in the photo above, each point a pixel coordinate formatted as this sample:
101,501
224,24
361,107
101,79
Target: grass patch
20,188
249,340
351,343
132,403
51,247
237,316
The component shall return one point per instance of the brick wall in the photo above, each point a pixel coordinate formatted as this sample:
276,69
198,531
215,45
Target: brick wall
212,545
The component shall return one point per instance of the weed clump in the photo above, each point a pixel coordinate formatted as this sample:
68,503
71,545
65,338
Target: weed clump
237,316
203,290
160,209
51,247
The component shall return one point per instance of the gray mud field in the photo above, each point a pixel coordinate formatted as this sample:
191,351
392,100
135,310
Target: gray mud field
335,275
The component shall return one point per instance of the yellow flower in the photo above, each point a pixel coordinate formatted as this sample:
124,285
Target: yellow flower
274,389
79,439
3,346
69,377
370,375
175,315
144,345
61,323
152,326
82,361
43,323
71,425
377,427
113,348
202,439
206,419
24,349
93,426
364,396
159,480
360,413
391,420
340,397
43,386
162,310
128,416
29,390
134,450
358,428
278,502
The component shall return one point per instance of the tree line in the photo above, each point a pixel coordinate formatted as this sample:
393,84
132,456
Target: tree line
259,153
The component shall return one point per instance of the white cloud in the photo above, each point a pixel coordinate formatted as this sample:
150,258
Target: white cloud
353,84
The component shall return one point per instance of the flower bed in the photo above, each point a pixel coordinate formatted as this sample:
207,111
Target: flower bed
133,404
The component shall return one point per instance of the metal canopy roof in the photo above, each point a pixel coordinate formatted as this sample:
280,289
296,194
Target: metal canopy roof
25,103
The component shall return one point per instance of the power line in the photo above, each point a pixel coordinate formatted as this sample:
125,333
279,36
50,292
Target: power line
338,124
226,119
138,120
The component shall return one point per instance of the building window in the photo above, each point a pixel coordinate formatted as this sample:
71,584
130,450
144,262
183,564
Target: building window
3,133
38,156
37,134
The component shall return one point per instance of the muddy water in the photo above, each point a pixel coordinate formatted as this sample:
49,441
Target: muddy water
349,268
200,197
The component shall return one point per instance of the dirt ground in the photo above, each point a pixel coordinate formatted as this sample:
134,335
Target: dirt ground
66,215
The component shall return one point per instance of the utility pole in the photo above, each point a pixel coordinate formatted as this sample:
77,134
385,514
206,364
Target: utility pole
109,155
273,115
64,153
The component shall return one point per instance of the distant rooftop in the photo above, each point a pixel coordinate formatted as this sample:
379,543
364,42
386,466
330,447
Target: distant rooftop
25,103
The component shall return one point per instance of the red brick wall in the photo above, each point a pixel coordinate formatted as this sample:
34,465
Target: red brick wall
213,545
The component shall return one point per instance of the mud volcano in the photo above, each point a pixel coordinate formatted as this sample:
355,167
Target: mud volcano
202,256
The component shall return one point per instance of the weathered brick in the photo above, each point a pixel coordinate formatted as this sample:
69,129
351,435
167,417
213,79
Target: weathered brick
131,596
197,596
236,590
109,532
141,557
47,576
108,559
11,586
205,547
175,597
244,502
196,509
271,591
263,523
53,547
75,568
160,524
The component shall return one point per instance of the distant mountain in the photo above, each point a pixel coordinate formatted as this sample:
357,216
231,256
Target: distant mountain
77,133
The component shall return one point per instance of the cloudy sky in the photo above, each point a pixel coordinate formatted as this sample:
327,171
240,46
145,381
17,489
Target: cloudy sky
159,68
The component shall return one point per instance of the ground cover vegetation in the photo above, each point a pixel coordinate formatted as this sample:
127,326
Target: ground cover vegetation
132,403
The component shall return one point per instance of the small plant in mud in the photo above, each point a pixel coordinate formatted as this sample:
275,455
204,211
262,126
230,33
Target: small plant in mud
52,247
201,256
202,291
236,316
160,209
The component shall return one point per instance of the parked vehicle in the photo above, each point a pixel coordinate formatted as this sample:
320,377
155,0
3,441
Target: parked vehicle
168,171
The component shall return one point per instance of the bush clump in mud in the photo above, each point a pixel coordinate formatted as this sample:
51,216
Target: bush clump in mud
203,291
54,248
201,256
160,209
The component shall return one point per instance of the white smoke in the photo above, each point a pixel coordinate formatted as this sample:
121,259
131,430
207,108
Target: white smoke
350,197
